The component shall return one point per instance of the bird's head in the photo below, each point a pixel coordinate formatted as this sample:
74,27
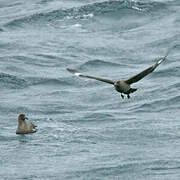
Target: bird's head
22,117
117,83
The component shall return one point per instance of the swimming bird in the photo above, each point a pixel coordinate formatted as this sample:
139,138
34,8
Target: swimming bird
24,127
123,86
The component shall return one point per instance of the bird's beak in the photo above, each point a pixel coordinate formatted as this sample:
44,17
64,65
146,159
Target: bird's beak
25,118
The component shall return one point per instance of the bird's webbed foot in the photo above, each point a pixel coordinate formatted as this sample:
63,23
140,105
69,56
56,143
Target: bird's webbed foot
122,96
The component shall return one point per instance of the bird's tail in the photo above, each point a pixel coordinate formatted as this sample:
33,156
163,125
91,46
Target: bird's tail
131,90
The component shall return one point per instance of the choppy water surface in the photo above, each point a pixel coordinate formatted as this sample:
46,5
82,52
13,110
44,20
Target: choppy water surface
86,131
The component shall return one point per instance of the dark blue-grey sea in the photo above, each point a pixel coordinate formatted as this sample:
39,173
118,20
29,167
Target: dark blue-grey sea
86,131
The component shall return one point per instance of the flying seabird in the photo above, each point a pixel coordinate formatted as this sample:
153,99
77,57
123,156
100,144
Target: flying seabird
24,127
123,86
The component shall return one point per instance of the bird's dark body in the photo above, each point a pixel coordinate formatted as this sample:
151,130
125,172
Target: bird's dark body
122,87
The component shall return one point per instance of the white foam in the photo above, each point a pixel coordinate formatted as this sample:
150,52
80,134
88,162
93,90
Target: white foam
88,15
136,8
76,25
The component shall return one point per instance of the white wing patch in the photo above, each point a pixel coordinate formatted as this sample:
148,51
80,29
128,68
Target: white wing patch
77,74
159,62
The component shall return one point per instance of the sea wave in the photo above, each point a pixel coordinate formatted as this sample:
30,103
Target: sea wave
11,81
100,64
117,171
157,105
87,11
33,81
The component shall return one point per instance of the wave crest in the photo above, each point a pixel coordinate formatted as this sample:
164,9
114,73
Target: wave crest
86,11
12,82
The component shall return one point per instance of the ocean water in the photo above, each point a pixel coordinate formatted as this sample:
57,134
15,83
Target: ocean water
86,131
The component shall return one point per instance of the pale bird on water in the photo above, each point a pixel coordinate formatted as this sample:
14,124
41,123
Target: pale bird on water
24,127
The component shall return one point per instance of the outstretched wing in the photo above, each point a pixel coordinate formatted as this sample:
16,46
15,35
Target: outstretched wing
144,73
76,73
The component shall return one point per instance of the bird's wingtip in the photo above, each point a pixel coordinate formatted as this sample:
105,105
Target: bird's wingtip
70,70
73,71
161,60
